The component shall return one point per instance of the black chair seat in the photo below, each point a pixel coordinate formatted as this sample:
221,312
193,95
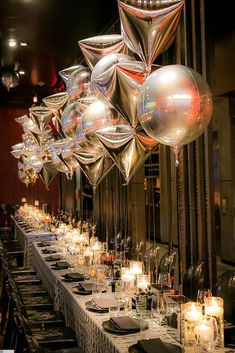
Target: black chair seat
45,319
67,350
61,337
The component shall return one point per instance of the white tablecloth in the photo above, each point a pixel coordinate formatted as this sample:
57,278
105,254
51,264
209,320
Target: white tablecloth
87,325
27,238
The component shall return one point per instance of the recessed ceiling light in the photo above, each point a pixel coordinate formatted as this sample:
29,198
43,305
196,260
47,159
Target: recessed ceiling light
12,43
21,72
23,44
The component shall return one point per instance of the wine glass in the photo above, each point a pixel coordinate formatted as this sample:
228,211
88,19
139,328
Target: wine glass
159,307
202,294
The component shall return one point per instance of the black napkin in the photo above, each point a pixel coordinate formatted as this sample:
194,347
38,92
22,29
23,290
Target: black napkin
125,323
154,345
74,276
49,251
86,287
52,258
61,265
44,244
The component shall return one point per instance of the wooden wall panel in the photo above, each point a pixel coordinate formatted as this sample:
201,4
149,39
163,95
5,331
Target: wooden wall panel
11,189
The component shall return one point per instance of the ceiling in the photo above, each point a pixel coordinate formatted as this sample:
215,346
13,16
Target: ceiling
51,28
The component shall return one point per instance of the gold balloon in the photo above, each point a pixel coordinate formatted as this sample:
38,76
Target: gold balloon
67,154
149,27
175,105
95,48
128,147
48,173
41,116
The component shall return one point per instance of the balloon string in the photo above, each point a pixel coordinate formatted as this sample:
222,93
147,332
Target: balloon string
106,218
176,150
135,207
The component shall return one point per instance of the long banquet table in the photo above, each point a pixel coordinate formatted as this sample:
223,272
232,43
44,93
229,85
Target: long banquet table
27,238
87,325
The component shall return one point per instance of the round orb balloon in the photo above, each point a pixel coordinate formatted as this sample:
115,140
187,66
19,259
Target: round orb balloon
175,105
71,117
78,84
10,79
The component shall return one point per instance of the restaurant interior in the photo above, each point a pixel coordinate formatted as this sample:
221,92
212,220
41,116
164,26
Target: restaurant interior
117,198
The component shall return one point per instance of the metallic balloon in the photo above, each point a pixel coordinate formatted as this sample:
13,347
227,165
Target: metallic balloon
149,27
56,101
66,73
24,177
48,173
105,69
41,116
67,154
10,79
94,163
35,162
128,147
58,162
22,119
95,48
78,84
175,105
71,118
18,150
97,116
122,87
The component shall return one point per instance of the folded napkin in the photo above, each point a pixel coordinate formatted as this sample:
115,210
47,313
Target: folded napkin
105,302
154,345
125,323
44,243
75,276
49,251
61,264
86,287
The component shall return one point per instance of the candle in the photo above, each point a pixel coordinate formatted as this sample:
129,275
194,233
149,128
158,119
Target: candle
36,203
126,275
143,281
23,200
206,333
213,308
136,267
193,313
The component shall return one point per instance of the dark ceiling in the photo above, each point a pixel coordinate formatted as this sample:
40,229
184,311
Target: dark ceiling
51,28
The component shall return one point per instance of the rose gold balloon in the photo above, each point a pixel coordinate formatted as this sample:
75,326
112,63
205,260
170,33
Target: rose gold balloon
95,48
149,27
175,105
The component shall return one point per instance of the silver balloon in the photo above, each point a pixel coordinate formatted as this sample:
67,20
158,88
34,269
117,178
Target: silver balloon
18,150
71,118
66,73
10,79
67,154
78,84
35,162
103,72
95,48
175,105
56,101
41,116
149,27
21,119
97,116
48,173
128,147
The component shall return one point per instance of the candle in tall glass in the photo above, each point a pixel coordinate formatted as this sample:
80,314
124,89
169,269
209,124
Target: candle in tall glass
192,315
214,306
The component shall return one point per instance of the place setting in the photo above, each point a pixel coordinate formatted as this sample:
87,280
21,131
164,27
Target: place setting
73,277
84,288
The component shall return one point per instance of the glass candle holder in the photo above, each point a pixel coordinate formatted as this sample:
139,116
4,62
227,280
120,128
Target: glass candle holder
191,316
206,333
214,307
136,267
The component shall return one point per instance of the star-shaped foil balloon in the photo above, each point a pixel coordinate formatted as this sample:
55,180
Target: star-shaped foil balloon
94,163
95,48
128,147
56,101
48,173
41,116
149,27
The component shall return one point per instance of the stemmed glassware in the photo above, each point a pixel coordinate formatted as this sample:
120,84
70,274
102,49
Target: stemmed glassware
159,306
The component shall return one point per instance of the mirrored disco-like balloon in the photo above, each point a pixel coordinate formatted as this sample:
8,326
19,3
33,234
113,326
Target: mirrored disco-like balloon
175,105
149,27
78,84
95,48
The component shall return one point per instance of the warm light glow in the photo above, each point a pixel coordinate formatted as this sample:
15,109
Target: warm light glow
36,203
23,44
35,98
12,43
21,72
167,76
97,107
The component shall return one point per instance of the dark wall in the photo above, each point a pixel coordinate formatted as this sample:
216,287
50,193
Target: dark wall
11,189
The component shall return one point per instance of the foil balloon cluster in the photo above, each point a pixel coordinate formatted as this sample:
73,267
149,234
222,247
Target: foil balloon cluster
118,109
